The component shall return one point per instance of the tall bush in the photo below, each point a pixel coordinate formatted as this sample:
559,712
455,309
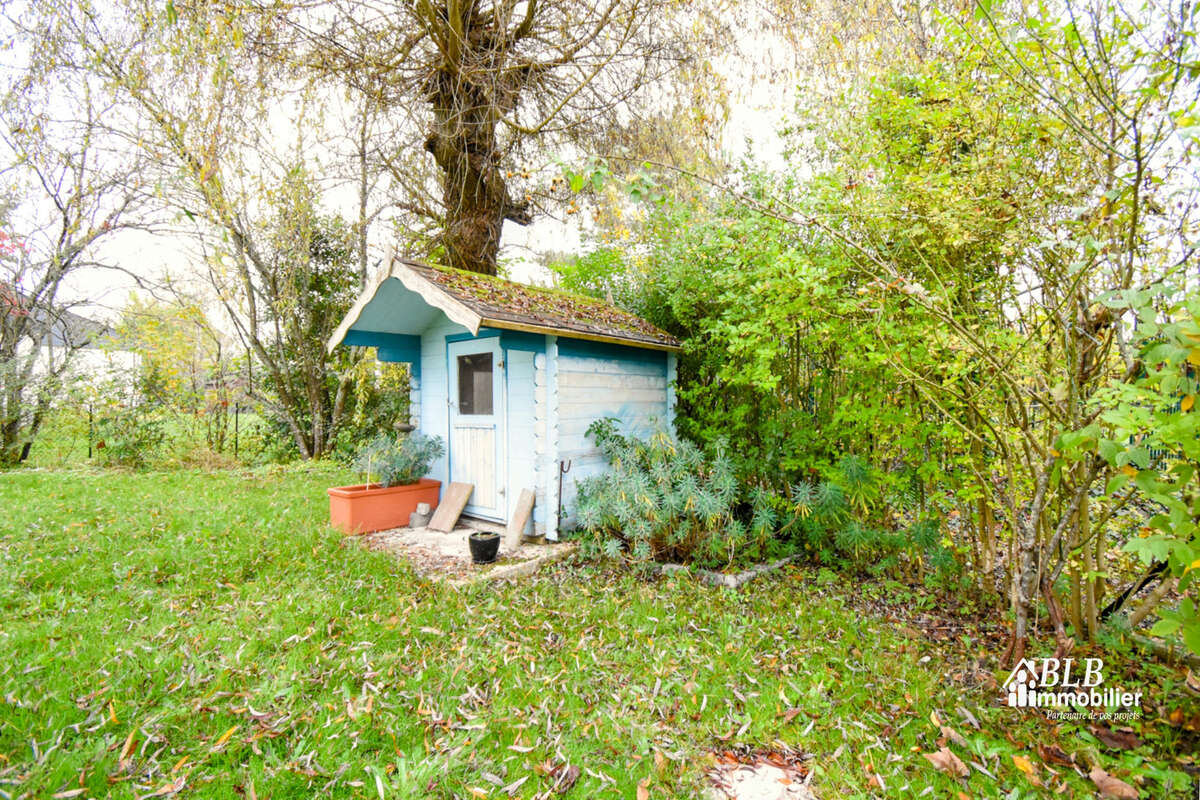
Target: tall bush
663,500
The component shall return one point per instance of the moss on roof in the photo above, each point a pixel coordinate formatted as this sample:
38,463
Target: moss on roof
504,300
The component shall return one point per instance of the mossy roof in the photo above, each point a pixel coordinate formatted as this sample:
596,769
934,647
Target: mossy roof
506,303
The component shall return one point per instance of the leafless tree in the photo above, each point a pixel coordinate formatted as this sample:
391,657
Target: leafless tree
72,187
478,85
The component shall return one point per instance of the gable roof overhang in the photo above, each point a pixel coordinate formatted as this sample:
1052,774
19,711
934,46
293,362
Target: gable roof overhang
403,300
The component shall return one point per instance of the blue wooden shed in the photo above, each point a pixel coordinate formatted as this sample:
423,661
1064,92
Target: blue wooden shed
511,376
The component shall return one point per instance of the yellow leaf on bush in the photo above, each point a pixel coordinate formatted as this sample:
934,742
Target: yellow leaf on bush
1130,471
1185,405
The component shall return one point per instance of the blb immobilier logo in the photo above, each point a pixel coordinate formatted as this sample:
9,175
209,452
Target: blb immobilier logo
1067,685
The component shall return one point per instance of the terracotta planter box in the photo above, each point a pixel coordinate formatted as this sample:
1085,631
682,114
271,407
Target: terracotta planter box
368,507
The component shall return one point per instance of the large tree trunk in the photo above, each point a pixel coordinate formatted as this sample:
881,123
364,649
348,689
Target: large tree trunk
462,140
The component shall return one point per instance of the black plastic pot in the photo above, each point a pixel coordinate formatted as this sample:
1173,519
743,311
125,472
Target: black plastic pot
484,546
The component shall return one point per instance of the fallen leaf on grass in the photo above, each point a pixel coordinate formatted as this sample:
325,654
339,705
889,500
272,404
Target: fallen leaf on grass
1025,765
68,793
642,792
511,789
167,789
948,763
225,737
1116,740
565,777
1112,787
791,713
954,736
1053,754
968,717
126,751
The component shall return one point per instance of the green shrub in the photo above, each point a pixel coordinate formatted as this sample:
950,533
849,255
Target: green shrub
662,500
398,460
843,520
130,436
381,399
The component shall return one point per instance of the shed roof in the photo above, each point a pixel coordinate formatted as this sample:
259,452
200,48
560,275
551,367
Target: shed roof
474,301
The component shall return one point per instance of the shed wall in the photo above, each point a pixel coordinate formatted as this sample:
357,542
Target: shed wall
597,380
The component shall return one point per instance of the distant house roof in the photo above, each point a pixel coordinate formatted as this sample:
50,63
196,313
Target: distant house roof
476,301
58,327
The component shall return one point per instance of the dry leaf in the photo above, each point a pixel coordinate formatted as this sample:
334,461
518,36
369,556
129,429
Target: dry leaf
642,792
127,750
225,737
954,736
1025,765
1116,740
565,778
948,763
1053,754
1112,787
167,789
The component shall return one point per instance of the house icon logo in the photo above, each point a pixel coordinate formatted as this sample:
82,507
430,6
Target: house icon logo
1022,685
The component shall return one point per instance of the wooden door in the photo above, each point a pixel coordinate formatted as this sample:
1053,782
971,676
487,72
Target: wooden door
476,374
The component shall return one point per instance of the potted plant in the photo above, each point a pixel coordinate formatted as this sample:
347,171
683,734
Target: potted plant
484,546
393,466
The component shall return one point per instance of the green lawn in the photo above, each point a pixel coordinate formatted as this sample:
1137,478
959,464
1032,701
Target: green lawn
209,632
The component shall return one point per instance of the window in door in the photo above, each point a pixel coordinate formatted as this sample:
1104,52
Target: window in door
475,384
